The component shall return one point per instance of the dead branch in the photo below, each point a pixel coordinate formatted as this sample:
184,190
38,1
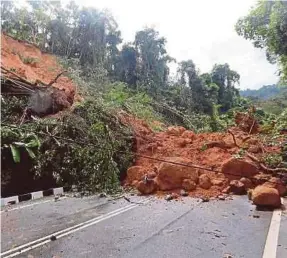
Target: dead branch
263,167
251,128
234,139
56,78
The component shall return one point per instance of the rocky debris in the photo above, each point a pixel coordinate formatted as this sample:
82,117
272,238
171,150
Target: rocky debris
261,178
266,196
188,134
183,193
237,187
221,197
205,199
249,194
170,176
236,168
147,187
175,130
53,238
204,181
247,182
168,197
135,173
226,190
220,180
277,183
188,185
256,216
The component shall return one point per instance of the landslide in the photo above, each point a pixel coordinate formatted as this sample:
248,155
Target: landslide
24,64
203,164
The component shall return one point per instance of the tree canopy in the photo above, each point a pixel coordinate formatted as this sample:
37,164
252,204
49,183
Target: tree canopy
266,27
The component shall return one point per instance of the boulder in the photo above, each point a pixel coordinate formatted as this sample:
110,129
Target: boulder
147,187
266,196
234,168
237,187
220,180
151,175
276,183
175,130
188,185
247,182
135,173
204,181
171,176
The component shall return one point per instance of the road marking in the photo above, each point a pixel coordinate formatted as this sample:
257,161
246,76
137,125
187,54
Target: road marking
44,240
29,205
270,248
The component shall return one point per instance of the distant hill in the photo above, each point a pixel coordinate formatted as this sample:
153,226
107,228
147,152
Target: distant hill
264,93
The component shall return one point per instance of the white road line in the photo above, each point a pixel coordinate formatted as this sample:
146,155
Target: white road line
270,248
44,240
29,205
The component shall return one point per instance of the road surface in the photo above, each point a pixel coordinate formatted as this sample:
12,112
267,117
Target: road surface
151,227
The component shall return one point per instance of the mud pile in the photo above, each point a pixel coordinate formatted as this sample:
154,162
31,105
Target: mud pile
204,164
26,62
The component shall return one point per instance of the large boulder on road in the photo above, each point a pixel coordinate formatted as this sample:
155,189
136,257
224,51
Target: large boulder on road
266,196
170,176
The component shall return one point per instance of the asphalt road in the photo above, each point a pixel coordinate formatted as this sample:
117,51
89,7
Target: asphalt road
151,227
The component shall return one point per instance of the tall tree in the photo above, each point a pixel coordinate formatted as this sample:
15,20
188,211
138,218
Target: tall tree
266,26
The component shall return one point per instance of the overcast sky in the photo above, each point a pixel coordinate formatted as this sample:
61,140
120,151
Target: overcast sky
199,30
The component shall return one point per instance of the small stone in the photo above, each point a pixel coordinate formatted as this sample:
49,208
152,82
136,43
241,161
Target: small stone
168,197
102,195
256,216
53,238
205,199
56,198
174,195
221,197
183,193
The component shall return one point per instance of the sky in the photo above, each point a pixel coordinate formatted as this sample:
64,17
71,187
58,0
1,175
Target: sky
199,30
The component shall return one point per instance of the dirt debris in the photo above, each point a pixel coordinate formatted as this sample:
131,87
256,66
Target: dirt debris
215,151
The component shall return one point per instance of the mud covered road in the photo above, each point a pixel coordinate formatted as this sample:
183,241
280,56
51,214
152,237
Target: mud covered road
151,227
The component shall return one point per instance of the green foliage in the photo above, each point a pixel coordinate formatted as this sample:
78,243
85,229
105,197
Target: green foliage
28,59
266,25
273,160
18,141
265,92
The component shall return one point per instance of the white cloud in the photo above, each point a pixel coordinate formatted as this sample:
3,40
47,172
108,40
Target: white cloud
199,30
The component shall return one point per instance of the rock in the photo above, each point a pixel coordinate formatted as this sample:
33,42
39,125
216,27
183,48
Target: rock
218,181
247,182
181,142
170,176
175,130
53,238
237,187
135,182
174,195
168,197
205,199
102,195
234,168
221,197
204,181
266,196
276,183
183,193
135,173
147,187
256,216
226,190
188,185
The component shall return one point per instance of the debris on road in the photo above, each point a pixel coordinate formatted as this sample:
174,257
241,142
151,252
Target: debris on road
53,238
266,196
